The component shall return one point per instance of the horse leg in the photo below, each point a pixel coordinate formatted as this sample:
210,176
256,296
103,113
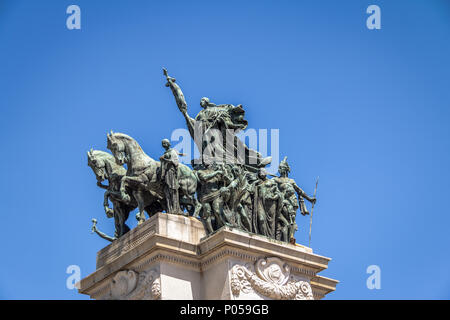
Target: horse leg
123,191
138,195
105,199
123,214
118,220
117,225
109,212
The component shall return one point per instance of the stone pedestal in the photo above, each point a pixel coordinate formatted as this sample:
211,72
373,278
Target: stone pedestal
170,257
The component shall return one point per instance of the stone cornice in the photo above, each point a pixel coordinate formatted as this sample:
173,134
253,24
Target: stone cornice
323,285
261,246
148,245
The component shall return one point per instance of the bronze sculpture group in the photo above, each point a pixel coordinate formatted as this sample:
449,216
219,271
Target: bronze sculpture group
227,185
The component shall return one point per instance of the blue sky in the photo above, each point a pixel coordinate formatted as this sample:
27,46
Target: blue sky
366,110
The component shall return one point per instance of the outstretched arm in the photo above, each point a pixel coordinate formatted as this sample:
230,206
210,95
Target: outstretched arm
180,100
101,234
302,194
205,177
104,235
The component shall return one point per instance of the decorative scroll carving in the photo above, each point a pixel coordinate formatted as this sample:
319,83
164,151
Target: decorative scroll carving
271,279
131,285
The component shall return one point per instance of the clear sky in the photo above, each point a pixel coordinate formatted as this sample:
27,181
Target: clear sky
366,110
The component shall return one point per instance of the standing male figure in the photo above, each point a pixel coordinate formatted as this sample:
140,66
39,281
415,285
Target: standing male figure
209,195
289,188
169,175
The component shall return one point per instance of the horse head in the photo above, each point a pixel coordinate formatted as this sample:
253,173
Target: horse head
103,164
127,150
117,143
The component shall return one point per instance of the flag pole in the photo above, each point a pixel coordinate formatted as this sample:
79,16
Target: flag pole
312,209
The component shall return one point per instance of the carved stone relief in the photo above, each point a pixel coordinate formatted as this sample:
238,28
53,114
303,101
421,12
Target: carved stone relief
270,277
131,285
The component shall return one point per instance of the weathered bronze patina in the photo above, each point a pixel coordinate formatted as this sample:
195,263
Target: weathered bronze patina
228,185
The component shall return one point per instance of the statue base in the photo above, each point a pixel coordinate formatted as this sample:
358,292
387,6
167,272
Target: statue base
170,257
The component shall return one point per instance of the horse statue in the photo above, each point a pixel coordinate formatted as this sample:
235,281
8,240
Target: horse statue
104,166
143,173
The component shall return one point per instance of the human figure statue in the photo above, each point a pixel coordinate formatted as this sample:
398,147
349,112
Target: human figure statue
237,200
268,202
211,128
286,224
289,190
291,209
209,195
247,203
169,175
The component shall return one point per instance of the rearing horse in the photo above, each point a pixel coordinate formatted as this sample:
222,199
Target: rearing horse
105,168
144,172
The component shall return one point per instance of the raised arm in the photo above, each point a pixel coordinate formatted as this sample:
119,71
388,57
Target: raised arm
180,100
178,94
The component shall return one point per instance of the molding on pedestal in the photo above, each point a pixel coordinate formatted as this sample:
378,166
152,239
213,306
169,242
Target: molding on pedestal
169,251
